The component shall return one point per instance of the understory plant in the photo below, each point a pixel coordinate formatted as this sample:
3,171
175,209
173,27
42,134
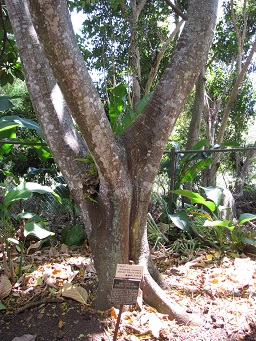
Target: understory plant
203,218
28,223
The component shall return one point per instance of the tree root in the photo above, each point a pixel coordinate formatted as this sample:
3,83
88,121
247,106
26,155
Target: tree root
37,303
157,298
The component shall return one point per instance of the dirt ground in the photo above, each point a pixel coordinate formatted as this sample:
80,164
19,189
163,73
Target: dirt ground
218,288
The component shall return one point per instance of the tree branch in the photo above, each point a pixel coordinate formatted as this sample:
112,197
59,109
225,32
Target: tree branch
234,93
52,112
159,57
147,137
176,10
54,28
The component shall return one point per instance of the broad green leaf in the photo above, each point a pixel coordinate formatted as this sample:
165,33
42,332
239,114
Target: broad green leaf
248,241
142,103
181,220
34,229
6,133
120,90
214,194
192,172
216,223
199,145
28,215
127,119
43,152
2,306
24,190
21,122
244,217
5,103
195,198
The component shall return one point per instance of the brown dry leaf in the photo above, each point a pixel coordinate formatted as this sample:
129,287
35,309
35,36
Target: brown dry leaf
5,286
36,246
64,248
75,292
60,324
113,312
214,281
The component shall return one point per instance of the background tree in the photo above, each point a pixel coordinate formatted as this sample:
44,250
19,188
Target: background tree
224,99
10,66
115,213
127,42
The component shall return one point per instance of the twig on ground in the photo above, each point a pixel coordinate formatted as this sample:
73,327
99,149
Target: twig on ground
43,301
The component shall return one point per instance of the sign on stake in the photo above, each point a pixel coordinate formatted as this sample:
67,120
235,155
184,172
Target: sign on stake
125,288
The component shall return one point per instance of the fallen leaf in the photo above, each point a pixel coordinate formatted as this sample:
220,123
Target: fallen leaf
75,292
113,313
61,324
36,246
5,286
64,248
209,256
56,271
214,281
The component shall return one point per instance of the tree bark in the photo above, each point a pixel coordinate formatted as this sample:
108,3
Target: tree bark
197,111
115,220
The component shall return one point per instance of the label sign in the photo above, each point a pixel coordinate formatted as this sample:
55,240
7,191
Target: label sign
129,271
125,291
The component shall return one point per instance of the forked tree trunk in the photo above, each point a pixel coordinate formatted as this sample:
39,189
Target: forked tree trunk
116,218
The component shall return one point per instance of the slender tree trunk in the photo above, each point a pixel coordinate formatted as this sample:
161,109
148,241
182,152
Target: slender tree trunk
242,174
241,69
197,111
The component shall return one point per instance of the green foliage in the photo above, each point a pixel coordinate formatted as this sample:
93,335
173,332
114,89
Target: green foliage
73,235
189,165
120,116
92,168
224,233
5,103
9,122
225,44
31,160
156,237
185,168
10,66
106,40
24,191
33,226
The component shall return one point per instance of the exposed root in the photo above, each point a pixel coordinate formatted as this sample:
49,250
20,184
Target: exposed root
37,303
157,298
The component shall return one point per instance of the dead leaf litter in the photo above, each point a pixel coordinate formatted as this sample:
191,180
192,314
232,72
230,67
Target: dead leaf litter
219,288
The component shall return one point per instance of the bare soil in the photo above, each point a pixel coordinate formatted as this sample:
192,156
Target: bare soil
219,288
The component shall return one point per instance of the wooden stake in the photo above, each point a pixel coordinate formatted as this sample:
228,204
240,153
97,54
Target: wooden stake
118,322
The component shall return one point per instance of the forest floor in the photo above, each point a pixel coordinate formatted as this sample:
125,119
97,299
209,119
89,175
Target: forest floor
220,288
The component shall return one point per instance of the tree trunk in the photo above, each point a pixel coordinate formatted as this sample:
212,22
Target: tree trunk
242,172
197,111
115,212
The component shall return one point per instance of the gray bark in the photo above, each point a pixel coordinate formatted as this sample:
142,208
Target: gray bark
197,111
127,165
